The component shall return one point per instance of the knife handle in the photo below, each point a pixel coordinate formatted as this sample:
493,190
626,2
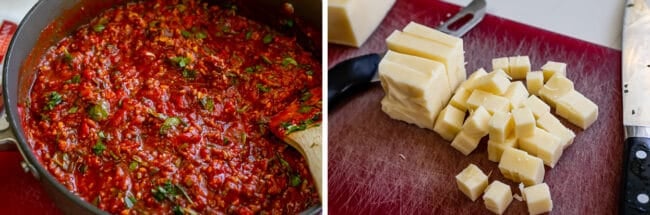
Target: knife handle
350,73
636,176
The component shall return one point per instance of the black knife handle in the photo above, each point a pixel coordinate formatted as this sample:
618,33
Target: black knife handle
636,176
351,73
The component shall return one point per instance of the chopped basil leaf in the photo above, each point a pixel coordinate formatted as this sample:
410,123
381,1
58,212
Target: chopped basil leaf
267,39
293,128
288,22
295,180
263,88
67,57
309,72
169,123
200,35
249,34
129,200
249,69
189,74
289,60
226,141
266,59
74,80
284,163
166,191
133,165
305,109
99,28
98,112
99,147
186,34
177,210
306,96
181,61
83,168
53,99
207,103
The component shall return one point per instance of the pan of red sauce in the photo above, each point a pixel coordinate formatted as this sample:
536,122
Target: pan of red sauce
163,107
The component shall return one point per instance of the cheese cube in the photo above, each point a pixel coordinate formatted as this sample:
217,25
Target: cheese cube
397,111
418,46
500,126
543,145
551,68
537,106
524,122
534,81
496,82
556,87
495,149
465,143
518,166
577,109
459,100
519,66
553,125
449,122
492,103
516,93
538,199
470,83
497,197
472,181
476,124
438,88
501,63
351,22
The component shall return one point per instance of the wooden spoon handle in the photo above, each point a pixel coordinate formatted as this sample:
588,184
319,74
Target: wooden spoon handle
309,143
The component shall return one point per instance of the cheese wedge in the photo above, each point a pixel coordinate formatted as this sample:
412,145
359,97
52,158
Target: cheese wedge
351,22
472,181
519,166
577,109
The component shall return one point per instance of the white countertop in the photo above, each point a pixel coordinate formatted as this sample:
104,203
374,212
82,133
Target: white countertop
595,21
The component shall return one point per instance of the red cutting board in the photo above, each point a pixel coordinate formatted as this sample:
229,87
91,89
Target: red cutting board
367,174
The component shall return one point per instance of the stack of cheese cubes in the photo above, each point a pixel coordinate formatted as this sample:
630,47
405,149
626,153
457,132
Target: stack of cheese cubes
419,73
523,133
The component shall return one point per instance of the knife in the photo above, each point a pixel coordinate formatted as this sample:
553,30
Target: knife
635,193
359,71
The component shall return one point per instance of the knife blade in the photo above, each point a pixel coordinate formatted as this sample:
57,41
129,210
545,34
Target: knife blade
635,73
359,71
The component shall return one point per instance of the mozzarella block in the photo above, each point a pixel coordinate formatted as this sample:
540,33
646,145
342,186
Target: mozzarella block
403,80
418,46
551,68
516,93
556,87
476,124
577,109
449,122
495,149
351,22
524,122
534,81
470,83
500,126
472,181
496,82
465,143
433,34
492,103
459,100
538,199
395,110
501,63
544,145
437,85
497,197
553,125
519,166
519,66
537,106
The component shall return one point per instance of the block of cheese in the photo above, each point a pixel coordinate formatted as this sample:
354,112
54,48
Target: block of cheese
519,66
500,126
404,81
496,82
465,143
577,109
497,197
534,81
516,93
555,87
435,70
395,110
495,149
351,22
449,122
470,83
524,122
519,166
418,46
551,68
501,63
550,123
538,198
476,124
537,106
544,145
472,181
459,99
492,103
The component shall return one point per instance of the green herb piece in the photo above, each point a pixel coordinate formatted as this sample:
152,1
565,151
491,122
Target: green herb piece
306,96
75,79
186,34
289,60
249,34
263,88
177,210
200,35
288,22
295,180
243,137
129,200
153,23
309,72
182,191
83,168
67,57
133,165
249,69
97,200
181,61
62,159
169,123
99,147
189,74
284,163
53,99
290,128
226,141
266,59
98,112
166,191
207,103
98,28
267,39
305,109
101,134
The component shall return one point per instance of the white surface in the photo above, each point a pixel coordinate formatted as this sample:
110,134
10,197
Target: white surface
14,10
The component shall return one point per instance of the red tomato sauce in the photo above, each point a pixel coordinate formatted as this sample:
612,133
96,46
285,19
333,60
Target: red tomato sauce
164,106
